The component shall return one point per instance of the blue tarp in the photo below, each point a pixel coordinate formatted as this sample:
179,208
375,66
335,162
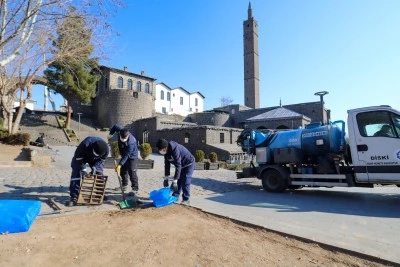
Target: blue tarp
162,197
18,215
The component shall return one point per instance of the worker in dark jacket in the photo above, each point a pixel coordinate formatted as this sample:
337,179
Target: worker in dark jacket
127,166
93,151
183,160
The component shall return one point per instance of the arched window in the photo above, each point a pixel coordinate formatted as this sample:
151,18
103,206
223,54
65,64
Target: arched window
168,96
196,102
187,138
147,88
145,136
162,95
130,84
139,86
120,82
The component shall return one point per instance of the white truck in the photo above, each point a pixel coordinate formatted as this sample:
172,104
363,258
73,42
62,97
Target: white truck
322,154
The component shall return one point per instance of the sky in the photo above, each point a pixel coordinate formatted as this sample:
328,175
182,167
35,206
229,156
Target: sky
349,48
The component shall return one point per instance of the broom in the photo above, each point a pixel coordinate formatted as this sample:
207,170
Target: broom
125,203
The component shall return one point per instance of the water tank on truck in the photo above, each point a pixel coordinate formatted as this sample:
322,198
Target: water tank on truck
309,143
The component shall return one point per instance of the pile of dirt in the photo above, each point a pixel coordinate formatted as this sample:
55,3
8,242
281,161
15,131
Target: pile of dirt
171,236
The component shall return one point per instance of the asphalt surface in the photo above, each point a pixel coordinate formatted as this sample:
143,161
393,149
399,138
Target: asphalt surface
364,220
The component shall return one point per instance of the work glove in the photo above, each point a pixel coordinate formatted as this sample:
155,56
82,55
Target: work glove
174,186
118,168
84,171
93,172
166,184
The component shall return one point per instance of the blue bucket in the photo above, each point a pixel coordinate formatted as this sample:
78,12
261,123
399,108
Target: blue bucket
162,197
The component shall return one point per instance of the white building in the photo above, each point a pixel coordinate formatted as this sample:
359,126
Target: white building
177,100
30,105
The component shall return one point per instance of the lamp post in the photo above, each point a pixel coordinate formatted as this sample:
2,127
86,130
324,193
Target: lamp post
321,97
79,121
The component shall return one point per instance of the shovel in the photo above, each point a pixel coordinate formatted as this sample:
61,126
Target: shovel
125,203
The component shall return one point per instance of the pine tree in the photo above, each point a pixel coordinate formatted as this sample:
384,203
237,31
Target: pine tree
73,77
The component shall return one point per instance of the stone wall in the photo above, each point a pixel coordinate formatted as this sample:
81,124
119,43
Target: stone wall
211,118
122,107
144,129
87,110
113,82
201,138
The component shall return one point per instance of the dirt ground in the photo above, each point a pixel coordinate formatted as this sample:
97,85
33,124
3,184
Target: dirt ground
171,236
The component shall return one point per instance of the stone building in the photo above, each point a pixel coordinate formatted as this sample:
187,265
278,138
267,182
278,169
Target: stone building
121,97
136,102
221,140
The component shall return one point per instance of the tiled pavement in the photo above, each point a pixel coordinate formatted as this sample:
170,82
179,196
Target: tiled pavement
53,183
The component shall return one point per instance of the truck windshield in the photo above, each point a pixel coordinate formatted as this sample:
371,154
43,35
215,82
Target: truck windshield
379,124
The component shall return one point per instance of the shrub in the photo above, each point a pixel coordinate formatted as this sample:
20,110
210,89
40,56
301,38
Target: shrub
17,139
199,156
213,157
236,167
145,150
223,165
61,121
114,149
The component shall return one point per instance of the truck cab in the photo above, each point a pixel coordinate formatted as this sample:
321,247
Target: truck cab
374,140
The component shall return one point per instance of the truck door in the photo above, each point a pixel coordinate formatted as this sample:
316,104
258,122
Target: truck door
378,146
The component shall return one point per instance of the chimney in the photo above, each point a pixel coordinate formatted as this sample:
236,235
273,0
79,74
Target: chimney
142,72
125,68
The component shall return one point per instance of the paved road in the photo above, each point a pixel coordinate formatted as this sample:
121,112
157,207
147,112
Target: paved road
360,219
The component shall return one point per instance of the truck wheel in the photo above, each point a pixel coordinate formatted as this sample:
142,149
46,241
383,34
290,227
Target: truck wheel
273,181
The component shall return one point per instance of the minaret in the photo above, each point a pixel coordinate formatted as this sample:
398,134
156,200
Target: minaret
251,69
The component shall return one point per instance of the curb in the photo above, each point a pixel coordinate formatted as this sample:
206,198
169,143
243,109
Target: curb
16,164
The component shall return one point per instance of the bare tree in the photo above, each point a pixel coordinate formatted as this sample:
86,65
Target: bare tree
8,91
27,35
20,18
225,101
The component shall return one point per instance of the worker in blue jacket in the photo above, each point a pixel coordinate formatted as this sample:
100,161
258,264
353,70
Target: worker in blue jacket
128,163
183,160
93,151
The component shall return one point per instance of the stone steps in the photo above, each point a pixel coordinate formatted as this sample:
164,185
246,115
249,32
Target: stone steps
54,136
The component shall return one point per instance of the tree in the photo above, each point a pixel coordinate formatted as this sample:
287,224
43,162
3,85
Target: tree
225,101
19,19
26,38
73,77
16,83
